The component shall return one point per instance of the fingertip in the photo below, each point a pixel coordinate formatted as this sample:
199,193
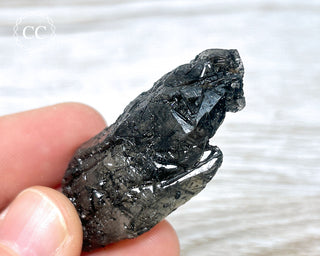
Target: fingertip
72,244
82,111
164,238
41,221
37,145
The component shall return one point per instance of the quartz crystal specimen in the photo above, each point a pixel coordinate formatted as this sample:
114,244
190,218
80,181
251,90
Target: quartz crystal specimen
156,156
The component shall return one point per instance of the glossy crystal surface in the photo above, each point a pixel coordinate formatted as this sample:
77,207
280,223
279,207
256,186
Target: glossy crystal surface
156,156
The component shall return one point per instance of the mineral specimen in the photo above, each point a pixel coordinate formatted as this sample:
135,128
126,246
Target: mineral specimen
157,155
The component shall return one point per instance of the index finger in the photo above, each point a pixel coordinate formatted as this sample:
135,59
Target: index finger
37,145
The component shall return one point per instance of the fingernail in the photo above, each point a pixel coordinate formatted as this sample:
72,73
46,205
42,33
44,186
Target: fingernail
33,225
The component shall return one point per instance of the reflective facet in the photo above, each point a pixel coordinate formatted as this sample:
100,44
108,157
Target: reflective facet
157,155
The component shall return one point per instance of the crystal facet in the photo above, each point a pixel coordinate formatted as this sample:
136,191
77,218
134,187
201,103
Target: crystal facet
156,156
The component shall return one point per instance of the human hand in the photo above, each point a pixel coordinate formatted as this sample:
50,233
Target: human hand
36,147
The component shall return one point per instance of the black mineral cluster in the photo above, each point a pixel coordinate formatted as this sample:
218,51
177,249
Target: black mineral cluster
157,155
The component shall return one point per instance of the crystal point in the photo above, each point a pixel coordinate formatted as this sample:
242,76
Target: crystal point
156,156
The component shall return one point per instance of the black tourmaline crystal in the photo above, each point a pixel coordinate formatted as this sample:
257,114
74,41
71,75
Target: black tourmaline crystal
157,155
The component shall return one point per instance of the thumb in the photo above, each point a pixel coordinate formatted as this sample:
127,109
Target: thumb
40,221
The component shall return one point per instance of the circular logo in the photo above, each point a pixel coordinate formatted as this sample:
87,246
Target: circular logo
34,30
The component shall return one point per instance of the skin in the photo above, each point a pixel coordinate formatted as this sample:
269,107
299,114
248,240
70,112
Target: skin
37,219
